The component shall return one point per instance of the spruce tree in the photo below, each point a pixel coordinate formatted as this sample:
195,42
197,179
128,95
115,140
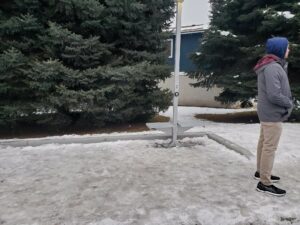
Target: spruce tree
236,40
96,60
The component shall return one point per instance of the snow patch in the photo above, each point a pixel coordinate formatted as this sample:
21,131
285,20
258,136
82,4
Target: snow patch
225,33
286,14
265,11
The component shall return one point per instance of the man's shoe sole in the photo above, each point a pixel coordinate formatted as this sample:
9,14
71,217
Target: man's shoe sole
273,181
270,193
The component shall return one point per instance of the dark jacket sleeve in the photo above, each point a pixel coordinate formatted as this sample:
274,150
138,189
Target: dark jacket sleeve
273,76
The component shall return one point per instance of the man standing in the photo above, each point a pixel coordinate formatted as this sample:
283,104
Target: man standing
274,106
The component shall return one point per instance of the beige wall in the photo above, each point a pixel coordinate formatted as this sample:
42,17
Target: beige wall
190,96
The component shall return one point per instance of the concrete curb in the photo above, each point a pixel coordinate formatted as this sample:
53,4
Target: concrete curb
230,145
111,138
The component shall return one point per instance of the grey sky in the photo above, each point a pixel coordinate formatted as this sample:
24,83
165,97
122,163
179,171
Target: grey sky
195,12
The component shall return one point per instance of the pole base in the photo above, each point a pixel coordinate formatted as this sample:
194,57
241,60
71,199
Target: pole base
179,144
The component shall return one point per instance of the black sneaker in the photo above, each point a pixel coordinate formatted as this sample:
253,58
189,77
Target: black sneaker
272,190
274,179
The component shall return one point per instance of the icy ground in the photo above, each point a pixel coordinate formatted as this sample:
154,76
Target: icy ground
138,182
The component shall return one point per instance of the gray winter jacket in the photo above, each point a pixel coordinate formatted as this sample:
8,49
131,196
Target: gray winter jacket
274,93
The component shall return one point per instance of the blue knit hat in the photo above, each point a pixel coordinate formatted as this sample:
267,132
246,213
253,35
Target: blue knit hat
277,46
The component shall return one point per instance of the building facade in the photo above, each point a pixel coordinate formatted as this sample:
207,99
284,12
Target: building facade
189,96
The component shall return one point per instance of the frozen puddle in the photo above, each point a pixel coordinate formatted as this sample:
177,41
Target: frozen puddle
139,182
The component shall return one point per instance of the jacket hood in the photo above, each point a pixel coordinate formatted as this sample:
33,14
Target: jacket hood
277,46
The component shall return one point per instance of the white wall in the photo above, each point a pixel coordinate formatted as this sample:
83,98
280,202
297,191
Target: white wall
195,12
190,96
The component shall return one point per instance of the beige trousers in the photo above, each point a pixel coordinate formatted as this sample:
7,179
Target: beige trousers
267,145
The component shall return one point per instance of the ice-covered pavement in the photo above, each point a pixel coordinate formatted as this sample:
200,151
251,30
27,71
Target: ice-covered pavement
137,182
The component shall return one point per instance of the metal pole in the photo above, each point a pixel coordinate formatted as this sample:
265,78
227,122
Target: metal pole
176,72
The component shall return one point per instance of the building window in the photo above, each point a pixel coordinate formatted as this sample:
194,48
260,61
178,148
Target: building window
170,48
